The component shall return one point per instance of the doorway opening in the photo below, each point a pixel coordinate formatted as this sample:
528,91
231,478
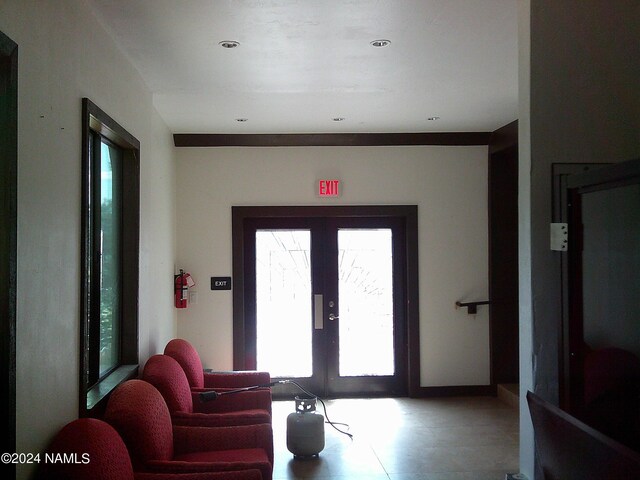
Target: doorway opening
503,261
603,338
327,296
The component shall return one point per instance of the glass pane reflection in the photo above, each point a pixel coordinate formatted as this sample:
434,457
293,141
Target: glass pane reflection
109,258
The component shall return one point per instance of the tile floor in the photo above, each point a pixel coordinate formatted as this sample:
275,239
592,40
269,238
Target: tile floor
406,439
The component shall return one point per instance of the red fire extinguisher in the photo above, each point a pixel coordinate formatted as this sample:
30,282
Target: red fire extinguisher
181,287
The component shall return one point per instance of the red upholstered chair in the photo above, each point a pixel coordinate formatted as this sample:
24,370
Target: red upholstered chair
187,356
98,453
187,408
140,415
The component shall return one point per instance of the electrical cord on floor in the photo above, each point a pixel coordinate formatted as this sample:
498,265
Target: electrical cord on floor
324,407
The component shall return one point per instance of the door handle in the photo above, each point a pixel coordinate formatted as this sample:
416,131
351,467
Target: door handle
318,312
333,317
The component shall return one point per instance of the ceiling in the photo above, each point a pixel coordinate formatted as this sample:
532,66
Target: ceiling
302,64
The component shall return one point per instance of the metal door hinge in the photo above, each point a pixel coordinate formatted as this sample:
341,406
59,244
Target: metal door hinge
559,236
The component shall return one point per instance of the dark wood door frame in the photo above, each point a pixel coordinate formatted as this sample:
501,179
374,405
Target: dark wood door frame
8,229
503,254
407,212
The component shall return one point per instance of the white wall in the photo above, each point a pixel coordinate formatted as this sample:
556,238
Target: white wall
65,55
449,185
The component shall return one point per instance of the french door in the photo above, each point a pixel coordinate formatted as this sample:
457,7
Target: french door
325,303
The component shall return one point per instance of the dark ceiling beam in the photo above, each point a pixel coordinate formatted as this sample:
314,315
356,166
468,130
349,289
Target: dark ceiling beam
330,139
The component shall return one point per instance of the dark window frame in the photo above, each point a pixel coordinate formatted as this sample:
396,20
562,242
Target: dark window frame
94,390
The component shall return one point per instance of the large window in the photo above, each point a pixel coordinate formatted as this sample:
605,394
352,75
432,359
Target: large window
111,219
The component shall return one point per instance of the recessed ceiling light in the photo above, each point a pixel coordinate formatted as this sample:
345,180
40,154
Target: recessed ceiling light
241,120
337,119
433,119
229,44
380,43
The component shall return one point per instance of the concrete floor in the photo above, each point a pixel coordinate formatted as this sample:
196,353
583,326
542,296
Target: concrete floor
407,439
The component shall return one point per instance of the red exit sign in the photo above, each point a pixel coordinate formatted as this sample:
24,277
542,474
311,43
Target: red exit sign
329,188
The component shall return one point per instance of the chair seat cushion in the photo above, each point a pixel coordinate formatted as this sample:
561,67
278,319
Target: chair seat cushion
226,419
244,455
227,460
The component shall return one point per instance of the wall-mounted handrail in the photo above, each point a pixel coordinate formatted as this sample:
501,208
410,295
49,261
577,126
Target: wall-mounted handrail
472,307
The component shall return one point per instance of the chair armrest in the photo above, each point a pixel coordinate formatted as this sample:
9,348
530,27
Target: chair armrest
198,439
235,379
249,400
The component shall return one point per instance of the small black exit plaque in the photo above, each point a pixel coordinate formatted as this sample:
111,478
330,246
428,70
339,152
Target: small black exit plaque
220,283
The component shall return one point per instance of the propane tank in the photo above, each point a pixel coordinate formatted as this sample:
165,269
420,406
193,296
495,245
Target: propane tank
305,429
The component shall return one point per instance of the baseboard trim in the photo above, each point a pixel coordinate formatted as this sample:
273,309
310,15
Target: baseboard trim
458,391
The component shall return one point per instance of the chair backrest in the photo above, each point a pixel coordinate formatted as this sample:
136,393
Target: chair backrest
140,415
568,449
87,449
189,359
166,374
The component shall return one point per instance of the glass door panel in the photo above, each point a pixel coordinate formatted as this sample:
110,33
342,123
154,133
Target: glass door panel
365,292
283,302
